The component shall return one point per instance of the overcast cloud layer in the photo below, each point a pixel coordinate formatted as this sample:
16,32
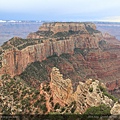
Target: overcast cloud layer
60,10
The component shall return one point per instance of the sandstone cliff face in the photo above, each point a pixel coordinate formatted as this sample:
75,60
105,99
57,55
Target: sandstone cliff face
88,94
15,61
104,64
66,26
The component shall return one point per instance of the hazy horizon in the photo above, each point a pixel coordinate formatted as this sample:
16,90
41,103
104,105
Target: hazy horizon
60,10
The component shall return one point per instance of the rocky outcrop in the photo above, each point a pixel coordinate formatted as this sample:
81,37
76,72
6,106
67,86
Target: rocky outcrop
108,36
115,109
88,94
48,29
62,90
66,26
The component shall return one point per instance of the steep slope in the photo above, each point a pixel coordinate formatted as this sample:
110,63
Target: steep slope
16,97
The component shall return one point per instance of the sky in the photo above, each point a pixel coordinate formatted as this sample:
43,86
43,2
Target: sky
60,10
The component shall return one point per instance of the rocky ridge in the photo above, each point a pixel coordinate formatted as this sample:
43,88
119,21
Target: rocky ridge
88,94
116,109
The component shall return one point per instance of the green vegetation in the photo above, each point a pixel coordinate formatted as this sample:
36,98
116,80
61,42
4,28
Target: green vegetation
61,34
20,97
91,30
74,106
20,43
5,77
36,71
44,33
43,107
6,46
91,89
65,55
46,88
100,110
110,96
57,106
1,52
16,42
25,45
102,44
67,33
83,52
105,92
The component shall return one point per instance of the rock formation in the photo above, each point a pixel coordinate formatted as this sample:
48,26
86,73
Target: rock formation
88,94
62,27
116,109
17,60
93,55
56,96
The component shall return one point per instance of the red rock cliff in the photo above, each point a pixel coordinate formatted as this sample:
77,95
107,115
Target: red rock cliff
15,61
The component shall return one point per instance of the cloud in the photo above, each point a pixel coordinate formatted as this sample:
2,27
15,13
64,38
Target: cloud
54,9
111,19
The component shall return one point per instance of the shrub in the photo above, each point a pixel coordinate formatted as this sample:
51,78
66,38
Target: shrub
65,55
100,110
57,106
83,52
91,30
105,92
62,109
6,77
102,88
44,108
110,96
91,89
102,42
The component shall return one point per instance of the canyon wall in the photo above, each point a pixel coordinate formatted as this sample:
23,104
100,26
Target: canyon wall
14,61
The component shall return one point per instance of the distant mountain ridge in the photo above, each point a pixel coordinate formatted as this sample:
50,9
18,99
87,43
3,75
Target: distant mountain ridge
11,28
112,28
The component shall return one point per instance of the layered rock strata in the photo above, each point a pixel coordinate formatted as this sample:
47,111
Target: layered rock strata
88,94
14,61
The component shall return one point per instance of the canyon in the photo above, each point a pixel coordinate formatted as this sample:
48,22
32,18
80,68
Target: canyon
64,67
91,54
